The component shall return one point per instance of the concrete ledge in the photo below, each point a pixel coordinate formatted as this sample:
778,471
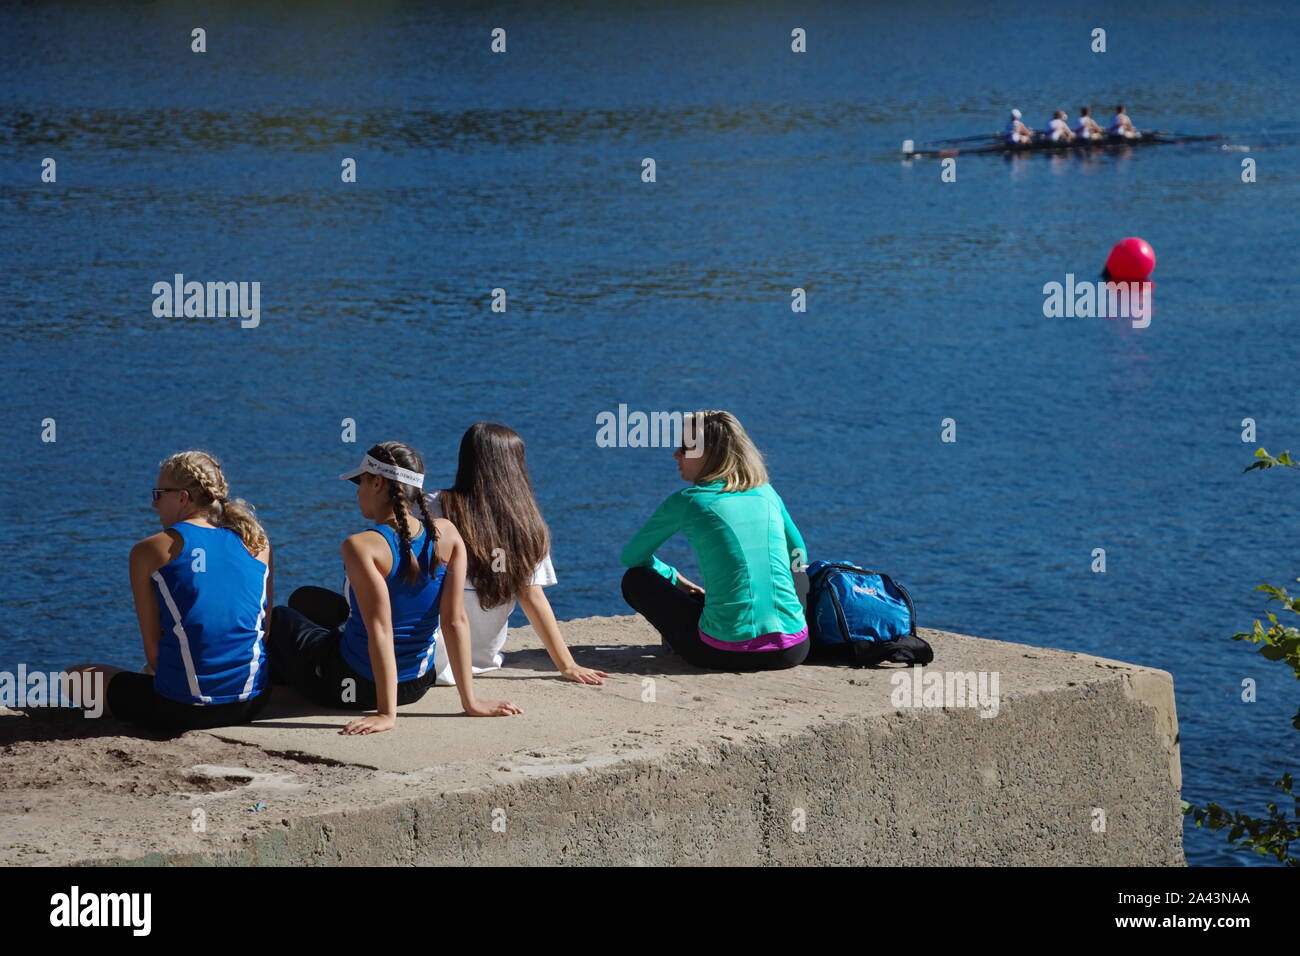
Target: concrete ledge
664,764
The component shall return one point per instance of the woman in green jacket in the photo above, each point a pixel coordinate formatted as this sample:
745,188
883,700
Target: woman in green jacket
747,616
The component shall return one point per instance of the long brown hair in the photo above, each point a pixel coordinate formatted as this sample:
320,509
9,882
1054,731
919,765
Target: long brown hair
200,474
403,497
493,507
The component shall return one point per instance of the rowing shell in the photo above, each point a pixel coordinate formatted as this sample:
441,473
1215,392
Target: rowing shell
1148,138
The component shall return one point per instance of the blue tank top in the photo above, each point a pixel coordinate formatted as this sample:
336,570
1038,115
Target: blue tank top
212,608
414,610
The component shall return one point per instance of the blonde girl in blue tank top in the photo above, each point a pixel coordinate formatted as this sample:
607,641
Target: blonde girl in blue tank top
202,589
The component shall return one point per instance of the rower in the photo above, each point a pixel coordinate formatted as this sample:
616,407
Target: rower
1087,127
1018,132
1058,130
1122,126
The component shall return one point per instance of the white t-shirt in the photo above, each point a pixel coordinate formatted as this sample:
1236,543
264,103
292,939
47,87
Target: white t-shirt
487,629
1059,128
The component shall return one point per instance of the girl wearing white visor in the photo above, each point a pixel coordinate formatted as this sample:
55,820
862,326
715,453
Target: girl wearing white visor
373,648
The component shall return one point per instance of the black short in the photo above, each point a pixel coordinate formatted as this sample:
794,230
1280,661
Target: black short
131,697
304,652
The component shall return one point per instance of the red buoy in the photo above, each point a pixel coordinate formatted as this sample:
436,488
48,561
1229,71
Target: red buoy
1131,260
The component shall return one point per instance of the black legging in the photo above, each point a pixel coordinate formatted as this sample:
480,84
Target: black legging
131,697
303,646
320,605
676,616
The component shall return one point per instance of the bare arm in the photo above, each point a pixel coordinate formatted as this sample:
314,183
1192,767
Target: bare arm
533,600
371,591
455,624
148,556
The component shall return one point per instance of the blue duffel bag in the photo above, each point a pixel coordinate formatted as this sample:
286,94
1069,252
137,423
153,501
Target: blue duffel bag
864,616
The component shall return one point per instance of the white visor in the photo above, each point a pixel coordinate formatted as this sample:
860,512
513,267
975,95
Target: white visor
1015,114
373,466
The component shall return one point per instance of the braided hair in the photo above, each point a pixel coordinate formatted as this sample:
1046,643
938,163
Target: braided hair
404,497
200,474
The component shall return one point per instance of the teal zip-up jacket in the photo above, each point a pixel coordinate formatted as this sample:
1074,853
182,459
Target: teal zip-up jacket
745,543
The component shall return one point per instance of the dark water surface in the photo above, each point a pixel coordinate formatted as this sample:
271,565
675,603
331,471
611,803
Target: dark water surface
775,171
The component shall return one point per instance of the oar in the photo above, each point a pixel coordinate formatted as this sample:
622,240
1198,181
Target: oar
934,146
910,150
1185,137
969,139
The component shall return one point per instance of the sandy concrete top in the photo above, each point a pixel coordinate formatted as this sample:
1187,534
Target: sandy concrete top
74,788
685,701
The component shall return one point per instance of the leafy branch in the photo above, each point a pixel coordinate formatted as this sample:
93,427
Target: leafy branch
1274,834
1268,461
1268,837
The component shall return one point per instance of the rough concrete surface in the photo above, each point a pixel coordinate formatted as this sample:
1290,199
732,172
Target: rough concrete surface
663,764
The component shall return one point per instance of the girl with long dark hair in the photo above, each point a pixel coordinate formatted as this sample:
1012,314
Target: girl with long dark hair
507,548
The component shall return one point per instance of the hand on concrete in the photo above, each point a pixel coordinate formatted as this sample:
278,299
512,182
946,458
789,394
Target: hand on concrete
583,675
492,708
374,724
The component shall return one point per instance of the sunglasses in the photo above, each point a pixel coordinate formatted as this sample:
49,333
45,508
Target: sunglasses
158,492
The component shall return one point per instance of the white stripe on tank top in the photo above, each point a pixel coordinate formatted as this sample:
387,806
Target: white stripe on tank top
179,630
256,660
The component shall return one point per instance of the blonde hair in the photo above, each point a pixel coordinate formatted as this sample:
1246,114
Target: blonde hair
200,474
730,455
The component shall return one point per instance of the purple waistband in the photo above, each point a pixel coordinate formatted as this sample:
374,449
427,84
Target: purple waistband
764,642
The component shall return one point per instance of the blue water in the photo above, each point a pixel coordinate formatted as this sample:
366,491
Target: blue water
775,171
